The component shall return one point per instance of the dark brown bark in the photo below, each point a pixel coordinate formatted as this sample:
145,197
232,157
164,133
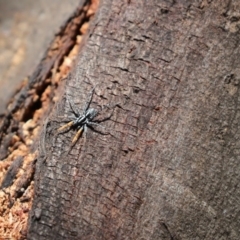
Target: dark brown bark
169,169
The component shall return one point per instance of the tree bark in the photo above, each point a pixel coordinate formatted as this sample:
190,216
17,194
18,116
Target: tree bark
169,167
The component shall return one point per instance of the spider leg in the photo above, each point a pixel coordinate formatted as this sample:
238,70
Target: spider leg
73,108
97,131
77,136
89,100
85,129
65,126
85,133
109,117
111,114
106,118
95,124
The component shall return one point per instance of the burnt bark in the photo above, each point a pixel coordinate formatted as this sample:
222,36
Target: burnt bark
169,167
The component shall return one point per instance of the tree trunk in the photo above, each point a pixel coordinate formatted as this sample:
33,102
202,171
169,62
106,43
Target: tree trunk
169,167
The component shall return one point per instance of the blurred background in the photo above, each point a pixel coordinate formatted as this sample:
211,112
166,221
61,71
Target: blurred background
26,29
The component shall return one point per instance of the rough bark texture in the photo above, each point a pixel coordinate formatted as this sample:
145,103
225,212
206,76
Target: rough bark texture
169,169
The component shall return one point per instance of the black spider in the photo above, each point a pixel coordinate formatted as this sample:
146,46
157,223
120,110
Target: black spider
82,121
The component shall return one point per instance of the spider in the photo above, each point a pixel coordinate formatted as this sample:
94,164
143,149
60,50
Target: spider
82,121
